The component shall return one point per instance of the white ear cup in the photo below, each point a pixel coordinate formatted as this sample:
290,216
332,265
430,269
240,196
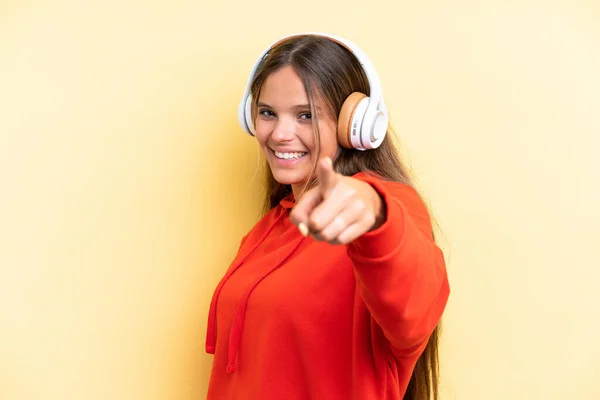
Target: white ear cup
356,125
380,126
242,114
248,115
374,128
367,129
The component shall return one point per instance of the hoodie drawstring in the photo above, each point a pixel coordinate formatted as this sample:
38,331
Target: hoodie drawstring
235,335
238,320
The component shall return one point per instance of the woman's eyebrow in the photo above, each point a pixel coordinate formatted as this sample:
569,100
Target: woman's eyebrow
296,107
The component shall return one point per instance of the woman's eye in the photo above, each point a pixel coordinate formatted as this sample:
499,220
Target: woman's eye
306,116
266,113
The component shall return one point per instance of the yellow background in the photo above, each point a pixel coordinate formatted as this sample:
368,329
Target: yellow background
126,183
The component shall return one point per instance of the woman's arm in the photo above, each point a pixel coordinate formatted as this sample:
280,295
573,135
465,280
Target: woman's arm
400,271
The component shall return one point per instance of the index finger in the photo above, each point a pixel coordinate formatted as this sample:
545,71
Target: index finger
326,175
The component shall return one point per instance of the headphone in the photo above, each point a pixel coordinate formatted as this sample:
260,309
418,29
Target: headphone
363,120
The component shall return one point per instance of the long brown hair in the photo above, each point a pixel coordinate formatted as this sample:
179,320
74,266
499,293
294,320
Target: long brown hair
331,72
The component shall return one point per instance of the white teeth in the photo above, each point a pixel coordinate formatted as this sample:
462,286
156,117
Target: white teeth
289,156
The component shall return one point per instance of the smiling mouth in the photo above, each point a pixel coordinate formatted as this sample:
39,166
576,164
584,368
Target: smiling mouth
289,156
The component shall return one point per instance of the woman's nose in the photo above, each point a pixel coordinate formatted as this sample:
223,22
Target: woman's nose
285,130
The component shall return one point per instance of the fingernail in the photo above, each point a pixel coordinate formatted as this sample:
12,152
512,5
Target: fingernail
328,161
303,229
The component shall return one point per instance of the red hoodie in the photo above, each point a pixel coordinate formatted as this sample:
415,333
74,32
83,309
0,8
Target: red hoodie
295,318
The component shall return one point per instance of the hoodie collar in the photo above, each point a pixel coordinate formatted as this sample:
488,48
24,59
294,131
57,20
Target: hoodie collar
288,201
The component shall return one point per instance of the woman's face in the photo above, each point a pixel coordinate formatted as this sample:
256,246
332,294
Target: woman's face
284,128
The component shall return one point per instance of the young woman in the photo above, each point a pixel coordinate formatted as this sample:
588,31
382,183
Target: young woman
337,292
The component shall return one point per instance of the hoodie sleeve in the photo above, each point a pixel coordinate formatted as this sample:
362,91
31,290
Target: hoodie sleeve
400,271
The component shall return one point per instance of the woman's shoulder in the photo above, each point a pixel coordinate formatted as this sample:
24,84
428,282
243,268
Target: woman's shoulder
400,192
396,188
